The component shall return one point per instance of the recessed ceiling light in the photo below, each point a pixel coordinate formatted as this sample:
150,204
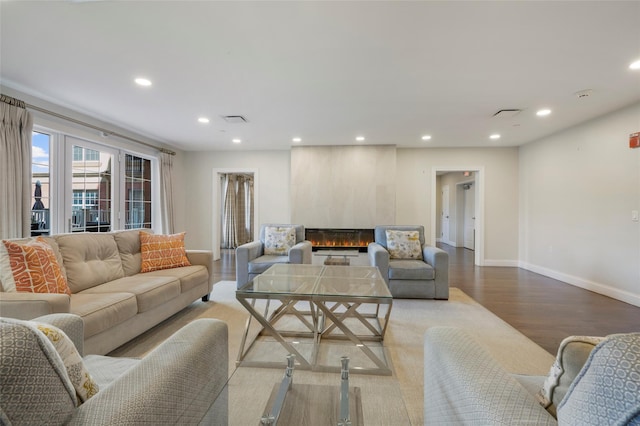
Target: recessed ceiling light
635,65
426,137
143,82
494,136
236,140
297,139
543,112
203,120
359,138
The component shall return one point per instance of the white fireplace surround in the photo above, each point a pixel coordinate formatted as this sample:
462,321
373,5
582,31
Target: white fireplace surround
343,186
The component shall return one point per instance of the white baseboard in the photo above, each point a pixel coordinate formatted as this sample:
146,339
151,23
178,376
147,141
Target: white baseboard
504,263
622,295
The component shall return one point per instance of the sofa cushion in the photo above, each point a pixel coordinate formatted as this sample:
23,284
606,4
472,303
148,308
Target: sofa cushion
90,259
278,240
571,357
262,263
101,311
31,266
404,244
190,276
162,251
128,243
150,291
607,390
35,388
106,369
410,270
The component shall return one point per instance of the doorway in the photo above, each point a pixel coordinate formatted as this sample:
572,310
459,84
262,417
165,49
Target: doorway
466,217
252,208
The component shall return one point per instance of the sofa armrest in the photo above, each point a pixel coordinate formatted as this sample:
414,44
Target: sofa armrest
177,383
72,325
204,258
245,254
439,260
463,384
301,253
379,256
27,306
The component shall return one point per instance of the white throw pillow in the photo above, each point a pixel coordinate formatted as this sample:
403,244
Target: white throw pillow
82,381
404,244
572,354
278,240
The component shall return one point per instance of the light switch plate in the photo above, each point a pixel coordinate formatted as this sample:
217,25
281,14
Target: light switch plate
634,215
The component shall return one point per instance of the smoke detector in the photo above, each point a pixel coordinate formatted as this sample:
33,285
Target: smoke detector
234,119
584,93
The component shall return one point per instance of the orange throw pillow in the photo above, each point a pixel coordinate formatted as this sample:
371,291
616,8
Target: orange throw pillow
162,251
32,267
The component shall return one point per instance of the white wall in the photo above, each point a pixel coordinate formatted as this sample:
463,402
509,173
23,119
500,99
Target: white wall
500,165
343,186
271,188
577,191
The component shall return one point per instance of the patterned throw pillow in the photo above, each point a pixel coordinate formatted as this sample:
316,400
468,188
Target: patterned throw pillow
278,240
162,251
404,244
31,266
607,390
82,381
572,354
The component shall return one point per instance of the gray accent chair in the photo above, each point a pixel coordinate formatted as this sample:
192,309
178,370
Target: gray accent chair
251,260
411,279
182,381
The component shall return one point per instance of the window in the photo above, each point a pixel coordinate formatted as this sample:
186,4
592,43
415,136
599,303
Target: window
99,188
91,177
137,180
41,184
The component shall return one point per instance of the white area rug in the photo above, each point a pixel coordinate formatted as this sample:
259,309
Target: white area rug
404,339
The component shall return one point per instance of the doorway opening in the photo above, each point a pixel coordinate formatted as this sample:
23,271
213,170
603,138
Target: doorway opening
235,208
457,210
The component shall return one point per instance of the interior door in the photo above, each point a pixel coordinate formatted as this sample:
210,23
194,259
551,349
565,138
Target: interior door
469,217
445,214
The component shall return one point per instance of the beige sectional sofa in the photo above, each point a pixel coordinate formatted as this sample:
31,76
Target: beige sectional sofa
115,300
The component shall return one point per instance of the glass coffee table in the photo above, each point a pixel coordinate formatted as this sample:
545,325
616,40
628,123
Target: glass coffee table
319,313
251,397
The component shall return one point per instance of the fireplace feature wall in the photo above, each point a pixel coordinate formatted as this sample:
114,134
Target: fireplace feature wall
330,238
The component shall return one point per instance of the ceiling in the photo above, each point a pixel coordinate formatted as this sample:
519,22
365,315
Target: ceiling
326,71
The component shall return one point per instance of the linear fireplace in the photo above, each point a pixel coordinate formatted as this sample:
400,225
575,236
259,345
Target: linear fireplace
332,238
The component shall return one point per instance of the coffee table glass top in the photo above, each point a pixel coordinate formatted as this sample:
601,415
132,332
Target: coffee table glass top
318,280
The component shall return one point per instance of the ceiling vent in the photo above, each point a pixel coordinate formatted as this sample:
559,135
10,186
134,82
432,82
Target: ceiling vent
234,119
507,113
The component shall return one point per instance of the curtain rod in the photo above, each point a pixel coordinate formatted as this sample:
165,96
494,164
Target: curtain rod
105,132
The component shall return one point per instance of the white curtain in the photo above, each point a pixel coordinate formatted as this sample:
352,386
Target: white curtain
16,125
237,210
249,209
229,224
166,192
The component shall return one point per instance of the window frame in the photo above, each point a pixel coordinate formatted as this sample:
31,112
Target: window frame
61,156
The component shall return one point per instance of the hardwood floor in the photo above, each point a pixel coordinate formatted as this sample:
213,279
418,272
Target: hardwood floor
543,309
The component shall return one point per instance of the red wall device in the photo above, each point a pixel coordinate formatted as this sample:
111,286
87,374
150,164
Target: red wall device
634,140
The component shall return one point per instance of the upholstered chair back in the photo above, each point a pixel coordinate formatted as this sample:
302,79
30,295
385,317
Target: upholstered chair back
380,232
299,230
34,386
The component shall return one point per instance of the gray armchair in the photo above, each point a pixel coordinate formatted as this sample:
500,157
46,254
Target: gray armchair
181,382
251,260
410,278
